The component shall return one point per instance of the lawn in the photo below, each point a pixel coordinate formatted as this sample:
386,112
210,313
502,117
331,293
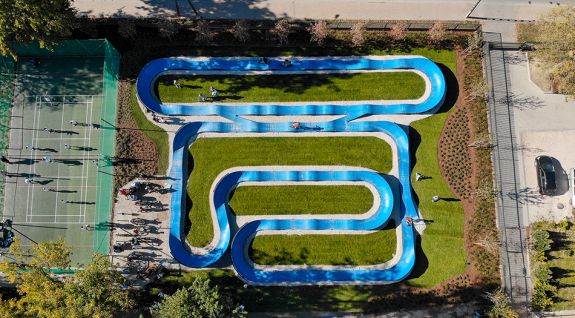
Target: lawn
207,154
367,249
270,200
443,237
291,88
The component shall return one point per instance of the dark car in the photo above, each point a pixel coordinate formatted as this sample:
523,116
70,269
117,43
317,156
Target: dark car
546,175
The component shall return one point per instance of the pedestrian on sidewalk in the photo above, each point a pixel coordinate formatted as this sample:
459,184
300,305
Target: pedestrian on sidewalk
5,160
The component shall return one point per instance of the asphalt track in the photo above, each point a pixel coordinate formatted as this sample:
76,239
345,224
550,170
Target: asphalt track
385,273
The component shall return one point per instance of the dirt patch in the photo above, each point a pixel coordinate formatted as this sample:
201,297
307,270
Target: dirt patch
136,153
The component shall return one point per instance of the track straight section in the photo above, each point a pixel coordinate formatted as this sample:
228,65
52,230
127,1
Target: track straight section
514,254
405,210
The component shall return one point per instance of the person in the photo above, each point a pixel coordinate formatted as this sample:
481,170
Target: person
73,123
418,176
95,161
30,147
47,159
409,220
45,189
46,97
215,93
66,146
286,63
27,180
264,60
295,125
177,84
95,126
86,227
50,130
201,97
5,160
434,198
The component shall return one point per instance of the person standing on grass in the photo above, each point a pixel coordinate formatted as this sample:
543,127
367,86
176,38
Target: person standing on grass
177,84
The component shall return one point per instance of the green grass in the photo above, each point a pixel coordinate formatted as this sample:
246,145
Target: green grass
561,261
443,238
213,155
290,88
368,249
155,133
275,200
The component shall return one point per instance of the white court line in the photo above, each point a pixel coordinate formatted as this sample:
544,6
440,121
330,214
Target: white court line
59,149
84,194
67,177
57,138
52,214
32,142
63,95
33,185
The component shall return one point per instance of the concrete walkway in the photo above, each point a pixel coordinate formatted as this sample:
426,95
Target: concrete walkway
495,15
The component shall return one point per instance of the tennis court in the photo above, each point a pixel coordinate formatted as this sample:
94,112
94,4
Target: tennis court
61,139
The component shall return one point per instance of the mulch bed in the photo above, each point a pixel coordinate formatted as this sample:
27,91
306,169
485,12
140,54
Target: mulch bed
131,143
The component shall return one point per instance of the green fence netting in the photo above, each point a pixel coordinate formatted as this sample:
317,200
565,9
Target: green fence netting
7,65
104,196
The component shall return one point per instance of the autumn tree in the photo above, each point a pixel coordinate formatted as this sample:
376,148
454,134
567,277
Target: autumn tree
358,33
92,292
241,31
281,31
555,46
23,21
398,31
319,32
437,32
199,300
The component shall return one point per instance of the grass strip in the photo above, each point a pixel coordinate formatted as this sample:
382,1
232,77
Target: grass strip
295,87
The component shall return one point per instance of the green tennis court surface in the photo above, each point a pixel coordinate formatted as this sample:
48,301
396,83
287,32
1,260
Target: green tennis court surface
60,128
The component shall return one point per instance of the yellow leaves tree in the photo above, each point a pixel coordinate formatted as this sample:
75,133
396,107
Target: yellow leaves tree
47,293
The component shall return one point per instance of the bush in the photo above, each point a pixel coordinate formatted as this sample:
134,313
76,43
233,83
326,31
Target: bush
281,30
241,31
540,243
358,34
319,32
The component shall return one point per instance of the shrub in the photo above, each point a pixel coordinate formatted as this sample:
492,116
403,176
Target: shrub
437,33
168,28
281,30
358,34
204,34
540,243
398,31
127,28
319,32
241,31
500,305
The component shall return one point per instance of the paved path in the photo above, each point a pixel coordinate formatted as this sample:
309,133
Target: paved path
514,255
489,12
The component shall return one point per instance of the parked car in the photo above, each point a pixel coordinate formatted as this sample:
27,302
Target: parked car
546,175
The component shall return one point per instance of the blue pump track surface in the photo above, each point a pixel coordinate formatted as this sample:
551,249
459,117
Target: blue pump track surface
294,275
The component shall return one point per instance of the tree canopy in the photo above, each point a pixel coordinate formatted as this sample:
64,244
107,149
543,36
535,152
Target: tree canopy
199,300
93,292
554,37
45,21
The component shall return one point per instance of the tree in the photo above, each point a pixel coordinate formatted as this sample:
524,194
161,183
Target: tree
204,34
437,33
24,21
168,28
93,292
281,30
127,28
398,31
358,33
199,300
555,46
319,32
241,31
500,305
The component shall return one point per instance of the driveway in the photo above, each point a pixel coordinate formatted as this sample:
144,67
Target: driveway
543,124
